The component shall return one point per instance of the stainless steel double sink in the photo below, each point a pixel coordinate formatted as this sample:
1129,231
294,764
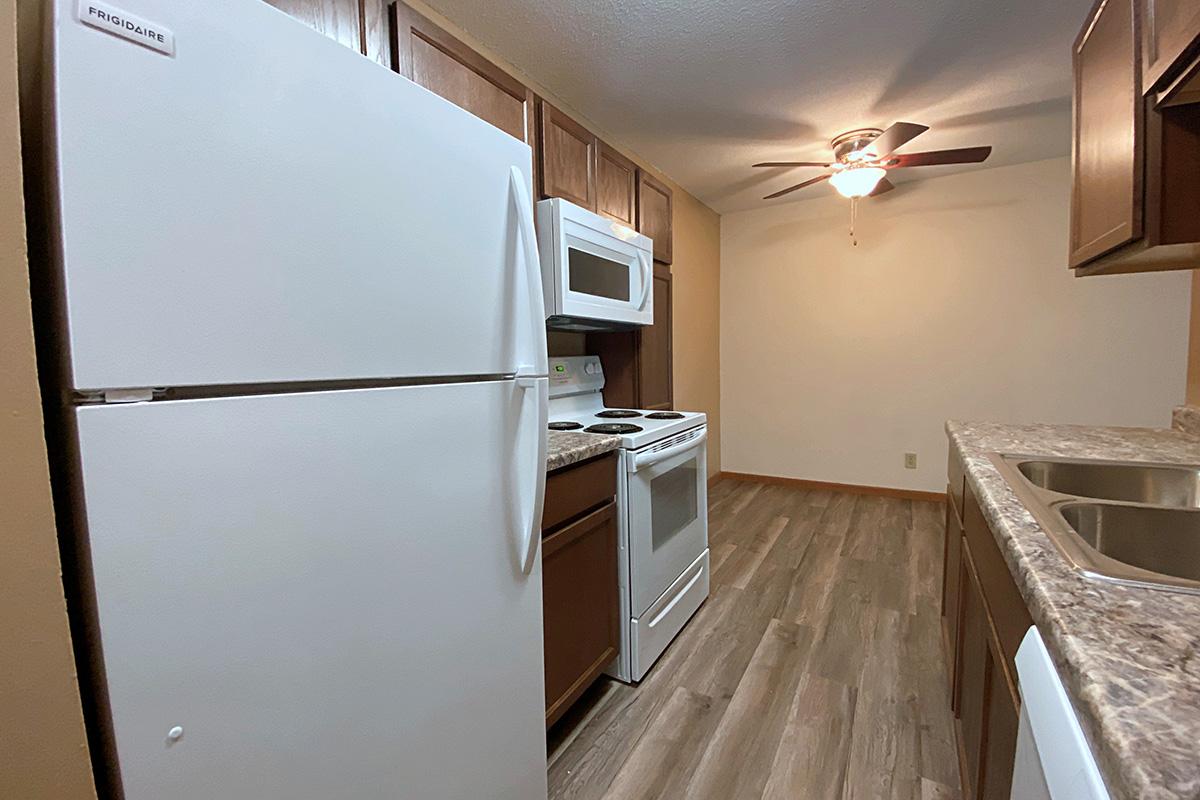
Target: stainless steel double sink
1126,522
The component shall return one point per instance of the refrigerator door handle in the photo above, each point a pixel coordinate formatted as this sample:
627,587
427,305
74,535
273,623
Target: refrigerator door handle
532,264
529,523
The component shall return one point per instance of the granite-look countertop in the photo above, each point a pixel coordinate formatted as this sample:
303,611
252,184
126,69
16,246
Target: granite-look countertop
567,447
1129,657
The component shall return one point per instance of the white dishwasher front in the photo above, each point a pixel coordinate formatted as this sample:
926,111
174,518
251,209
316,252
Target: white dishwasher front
1053,761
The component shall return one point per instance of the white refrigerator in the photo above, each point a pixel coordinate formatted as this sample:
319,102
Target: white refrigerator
302,341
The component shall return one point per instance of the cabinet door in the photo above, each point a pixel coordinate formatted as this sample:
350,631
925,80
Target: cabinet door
337,19
1000,733
973,668
580,607
568,158
1107,155
654,215
654,349
432,58
616,186
1170,28
951,588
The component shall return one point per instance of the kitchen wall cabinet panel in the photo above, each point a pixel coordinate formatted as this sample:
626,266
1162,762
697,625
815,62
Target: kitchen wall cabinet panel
340,20
655,215
580,604
1135,196
616,186
1106,209
1170,33
567,158
654,349
638,364
432,58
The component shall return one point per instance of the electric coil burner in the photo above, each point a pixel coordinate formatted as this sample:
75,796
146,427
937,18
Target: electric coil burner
614,427
565,426
665,415
618,413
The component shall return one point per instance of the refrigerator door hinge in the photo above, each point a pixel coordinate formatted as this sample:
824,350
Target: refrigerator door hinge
120,396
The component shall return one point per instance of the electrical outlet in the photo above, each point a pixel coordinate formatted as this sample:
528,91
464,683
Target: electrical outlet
910,460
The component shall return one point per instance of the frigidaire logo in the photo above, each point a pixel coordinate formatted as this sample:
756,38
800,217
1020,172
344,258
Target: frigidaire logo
127,26
136,28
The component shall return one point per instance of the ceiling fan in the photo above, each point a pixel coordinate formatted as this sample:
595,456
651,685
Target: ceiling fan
862,158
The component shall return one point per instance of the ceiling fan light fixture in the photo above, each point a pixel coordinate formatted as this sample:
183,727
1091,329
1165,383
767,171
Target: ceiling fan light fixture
857,181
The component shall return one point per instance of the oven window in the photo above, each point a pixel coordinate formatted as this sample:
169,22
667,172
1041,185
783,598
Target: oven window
672,502
599,277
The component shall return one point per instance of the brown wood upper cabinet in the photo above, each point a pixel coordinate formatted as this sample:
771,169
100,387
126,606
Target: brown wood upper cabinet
431,57
337,19
567,157
638,364
1170,33
616,186
655,215
1134,197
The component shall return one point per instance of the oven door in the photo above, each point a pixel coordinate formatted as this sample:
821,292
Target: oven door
602,276
668,513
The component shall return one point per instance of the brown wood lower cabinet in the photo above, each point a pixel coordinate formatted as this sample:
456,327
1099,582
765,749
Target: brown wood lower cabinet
579,581
985,618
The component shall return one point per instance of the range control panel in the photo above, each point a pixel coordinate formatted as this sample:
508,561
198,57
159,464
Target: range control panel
575,375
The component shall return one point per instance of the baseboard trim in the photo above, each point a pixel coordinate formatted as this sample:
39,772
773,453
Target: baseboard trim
849,488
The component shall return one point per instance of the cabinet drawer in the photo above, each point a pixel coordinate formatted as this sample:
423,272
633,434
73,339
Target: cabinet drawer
572,490
580,606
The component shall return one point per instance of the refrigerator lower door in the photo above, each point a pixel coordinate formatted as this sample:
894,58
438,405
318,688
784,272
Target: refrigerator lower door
266,205
319,595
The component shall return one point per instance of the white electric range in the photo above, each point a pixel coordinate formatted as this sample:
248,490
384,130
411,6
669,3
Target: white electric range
662,508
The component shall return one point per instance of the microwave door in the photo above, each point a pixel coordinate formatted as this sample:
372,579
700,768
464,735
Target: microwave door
603,282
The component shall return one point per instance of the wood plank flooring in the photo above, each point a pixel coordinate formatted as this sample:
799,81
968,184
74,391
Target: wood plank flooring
814,671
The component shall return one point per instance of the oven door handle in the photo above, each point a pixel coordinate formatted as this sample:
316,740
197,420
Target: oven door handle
644,460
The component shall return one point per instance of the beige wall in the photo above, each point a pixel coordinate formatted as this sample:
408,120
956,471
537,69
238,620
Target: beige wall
695,271
43,749
956,304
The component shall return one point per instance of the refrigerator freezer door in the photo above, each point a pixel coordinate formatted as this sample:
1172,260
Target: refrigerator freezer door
267,205
321,591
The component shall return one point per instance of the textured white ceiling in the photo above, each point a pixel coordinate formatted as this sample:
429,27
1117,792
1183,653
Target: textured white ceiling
704,89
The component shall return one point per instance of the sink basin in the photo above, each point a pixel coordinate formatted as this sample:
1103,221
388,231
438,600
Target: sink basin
1104,480
1125,522
1162,540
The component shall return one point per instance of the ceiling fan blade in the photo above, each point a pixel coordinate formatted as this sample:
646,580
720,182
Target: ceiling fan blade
884,185
790,189
893,138
963,155
792,164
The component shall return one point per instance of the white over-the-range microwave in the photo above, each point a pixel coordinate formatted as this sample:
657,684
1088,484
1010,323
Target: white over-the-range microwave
597,274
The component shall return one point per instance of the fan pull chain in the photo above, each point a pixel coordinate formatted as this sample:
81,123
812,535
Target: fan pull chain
853,220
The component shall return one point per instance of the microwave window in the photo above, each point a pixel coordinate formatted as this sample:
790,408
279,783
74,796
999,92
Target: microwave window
599,277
